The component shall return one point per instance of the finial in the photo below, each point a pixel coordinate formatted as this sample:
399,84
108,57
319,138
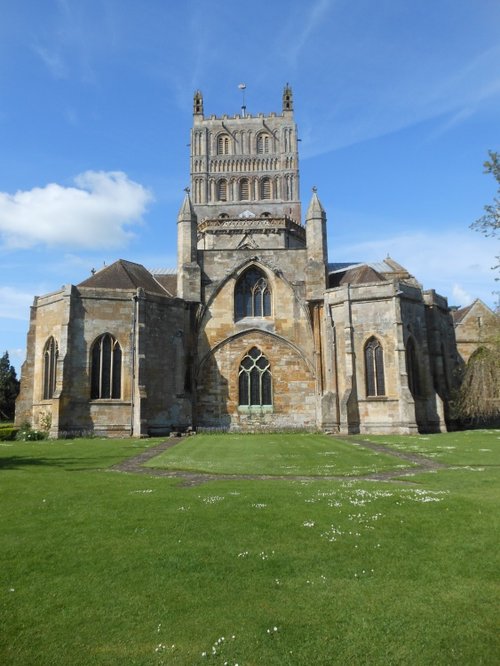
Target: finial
187,190
314,189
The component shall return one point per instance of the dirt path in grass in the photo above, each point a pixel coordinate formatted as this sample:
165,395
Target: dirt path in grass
418,462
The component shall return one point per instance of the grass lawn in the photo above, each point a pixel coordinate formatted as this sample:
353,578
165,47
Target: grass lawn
100,567
275,455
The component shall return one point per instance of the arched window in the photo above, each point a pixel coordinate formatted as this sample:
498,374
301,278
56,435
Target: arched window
223,144
106,371
222,190
412,368
374,368
263,143
252,296
244,189
255,386
265,188
50,354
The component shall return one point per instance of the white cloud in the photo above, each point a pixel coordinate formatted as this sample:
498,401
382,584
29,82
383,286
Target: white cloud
460,296
14,303
94,214
456,265
54,62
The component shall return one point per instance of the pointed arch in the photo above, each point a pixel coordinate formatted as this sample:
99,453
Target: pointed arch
374,368
412,368
50,356
106,368
252,295
255,380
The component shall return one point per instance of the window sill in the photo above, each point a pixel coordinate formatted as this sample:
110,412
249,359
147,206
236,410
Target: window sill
255,409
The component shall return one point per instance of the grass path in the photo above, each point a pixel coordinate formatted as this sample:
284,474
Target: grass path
419,463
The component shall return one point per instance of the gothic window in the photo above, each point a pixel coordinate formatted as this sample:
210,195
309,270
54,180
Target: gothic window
412,368
263,143
374,368
223,144
50,354
222,190
265,188
106,368
244,189
252,295
255,386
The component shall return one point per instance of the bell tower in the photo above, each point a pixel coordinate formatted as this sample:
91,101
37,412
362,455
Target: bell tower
245,177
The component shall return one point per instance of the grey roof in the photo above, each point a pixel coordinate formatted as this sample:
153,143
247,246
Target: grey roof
123,274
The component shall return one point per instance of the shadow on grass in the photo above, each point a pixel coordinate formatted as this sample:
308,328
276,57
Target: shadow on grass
68,464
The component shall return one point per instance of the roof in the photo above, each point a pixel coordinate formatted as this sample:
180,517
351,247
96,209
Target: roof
341,273
124,274
362,274
460,314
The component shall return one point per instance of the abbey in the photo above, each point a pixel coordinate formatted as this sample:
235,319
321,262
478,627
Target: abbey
255,329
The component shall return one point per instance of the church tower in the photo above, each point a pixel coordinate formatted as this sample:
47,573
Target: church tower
245,178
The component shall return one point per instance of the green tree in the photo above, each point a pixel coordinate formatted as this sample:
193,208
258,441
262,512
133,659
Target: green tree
9,388
478,398
489,223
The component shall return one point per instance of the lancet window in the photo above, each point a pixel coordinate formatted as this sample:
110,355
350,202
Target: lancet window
50,355
412,368
374,368
223,144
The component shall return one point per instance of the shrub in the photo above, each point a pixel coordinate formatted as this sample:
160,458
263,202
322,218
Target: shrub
8,433
27,434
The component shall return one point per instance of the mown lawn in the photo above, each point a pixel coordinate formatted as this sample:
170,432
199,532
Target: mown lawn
275,455
99,567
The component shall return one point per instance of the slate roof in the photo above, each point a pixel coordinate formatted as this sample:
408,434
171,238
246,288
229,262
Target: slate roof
124,274
363,274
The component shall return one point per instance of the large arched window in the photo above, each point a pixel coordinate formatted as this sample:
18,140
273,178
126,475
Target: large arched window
374,368
255,385
223,144
265,188
222,190
252,296
106,371
244,189
50,354
412,368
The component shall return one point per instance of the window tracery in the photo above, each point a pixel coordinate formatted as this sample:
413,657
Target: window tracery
252,296
374,368
106,368
50,356
255,380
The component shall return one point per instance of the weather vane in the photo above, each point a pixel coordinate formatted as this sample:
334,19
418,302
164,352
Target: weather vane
242,87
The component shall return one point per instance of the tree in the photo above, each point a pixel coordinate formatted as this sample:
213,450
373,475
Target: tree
9,388
489,223
478,398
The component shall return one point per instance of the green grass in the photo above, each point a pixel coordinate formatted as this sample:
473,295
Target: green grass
100,567
274,455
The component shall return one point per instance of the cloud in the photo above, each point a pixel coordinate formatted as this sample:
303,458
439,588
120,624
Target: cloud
53,61
94,214
456,265
309,23
14,303
460,296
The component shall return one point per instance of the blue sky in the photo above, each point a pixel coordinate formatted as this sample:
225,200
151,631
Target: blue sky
397,103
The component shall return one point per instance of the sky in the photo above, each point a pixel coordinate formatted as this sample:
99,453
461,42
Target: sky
397,103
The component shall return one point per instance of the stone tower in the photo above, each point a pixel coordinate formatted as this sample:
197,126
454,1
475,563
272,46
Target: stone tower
245,178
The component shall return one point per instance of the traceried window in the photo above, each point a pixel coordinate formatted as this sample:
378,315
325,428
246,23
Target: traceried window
223,144
222,190
412,368
244,189
252,297
263,143
374,368
265,188
50,355
255,382
106,370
